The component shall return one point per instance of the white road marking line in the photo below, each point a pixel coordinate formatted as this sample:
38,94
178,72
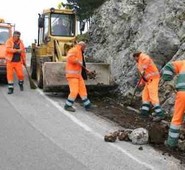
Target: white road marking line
87,128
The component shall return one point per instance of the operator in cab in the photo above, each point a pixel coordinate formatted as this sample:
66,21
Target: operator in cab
60,29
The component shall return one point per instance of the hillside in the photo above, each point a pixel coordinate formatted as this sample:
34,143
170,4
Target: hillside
119,28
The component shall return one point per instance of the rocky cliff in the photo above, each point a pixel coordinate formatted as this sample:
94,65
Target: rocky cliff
120,27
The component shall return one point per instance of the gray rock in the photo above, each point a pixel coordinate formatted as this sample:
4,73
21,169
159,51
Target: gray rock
139,136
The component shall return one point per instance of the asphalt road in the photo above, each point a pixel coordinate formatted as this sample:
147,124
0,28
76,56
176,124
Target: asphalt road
23,147
36,133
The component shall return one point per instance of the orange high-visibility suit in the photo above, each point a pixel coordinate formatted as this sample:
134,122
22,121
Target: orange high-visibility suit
171,69
74,77
15,61
150,76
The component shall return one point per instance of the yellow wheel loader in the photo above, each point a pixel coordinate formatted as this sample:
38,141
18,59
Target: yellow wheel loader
56,35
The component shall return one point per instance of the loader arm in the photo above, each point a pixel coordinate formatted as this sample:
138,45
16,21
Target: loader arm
58,51
61,49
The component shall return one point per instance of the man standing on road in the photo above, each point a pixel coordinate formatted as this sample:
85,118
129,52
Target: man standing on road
74,77
15,56
150,77
169,70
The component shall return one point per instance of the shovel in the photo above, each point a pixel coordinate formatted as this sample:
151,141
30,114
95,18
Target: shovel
32,84
135,89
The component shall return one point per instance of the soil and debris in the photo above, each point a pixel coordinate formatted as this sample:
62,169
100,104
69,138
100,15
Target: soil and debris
110,108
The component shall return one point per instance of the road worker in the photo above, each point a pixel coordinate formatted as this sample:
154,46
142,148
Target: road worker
168,72
15,56
150,77
74,65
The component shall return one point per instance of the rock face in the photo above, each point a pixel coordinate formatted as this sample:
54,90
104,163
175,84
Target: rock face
120,27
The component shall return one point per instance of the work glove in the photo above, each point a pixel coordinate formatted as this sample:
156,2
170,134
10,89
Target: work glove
140,85
91,74
17,50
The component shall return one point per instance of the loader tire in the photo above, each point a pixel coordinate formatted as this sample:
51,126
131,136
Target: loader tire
39,77
33,67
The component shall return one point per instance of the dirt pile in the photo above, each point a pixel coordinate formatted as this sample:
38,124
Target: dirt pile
109,108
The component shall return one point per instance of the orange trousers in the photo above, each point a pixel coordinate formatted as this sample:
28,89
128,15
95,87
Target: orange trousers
77,86
179,108
150,91
17,67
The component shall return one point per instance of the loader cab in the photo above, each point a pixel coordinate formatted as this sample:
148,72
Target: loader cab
62,25
55,23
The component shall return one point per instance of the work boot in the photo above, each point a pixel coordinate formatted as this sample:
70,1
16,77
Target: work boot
159,114
90,107
173,136
21,85
87,104
144,114
145,108
10,90
10,87
69,108
171,143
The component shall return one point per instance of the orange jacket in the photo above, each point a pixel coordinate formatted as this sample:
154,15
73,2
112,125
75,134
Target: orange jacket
74,57
179,66
10,50
145,64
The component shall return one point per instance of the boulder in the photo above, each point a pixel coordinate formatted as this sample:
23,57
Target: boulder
139,136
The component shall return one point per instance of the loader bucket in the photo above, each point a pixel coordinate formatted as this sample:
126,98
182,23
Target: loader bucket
54,75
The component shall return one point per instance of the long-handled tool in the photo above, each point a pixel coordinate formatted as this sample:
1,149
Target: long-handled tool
135,89
32,84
